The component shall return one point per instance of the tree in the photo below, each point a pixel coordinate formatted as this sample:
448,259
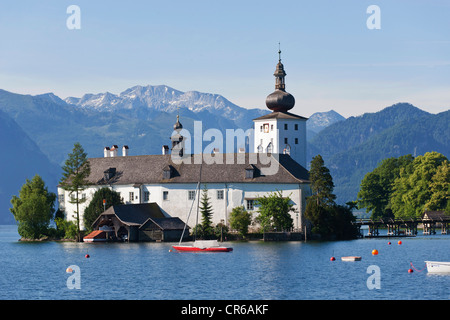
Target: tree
341,222
321,182
411,190
274,211
205,229
376,187
330,220
440,188
33,209
96,207
240,219
76,170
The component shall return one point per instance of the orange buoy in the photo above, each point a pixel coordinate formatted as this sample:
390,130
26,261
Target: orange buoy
399,242
374,252
332,258
69,270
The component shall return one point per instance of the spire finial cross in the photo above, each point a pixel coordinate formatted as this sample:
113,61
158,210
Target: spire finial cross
279,52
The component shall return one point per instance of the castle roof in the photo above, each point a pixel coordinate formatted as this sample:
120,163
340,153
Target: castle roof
148,169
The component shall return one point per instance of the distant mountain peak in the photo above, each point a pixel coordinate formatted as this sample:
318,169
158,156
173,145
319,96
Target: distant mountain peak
320,120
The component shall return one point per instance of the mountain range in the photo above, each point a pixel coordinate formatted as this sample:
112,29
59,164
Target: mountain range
142,117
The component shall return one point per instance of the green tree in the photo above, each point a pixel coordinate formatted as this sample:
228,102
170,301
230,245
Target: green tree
342,219
66,229
440,188
240,219
33,209
274,211
376,187
76,170
205,230
330,220
321,182
412,190
319,217
96,207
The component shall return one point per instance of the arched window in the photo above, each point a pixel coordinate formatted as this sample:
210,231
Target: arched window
269,147
260,149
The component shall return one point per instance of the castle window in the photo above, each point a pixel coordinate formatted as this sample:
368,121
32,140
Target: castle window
167,172
296,140
219,194
285,126
146,196
191,195
285,140
165,195
269,147
249,172
108,174
249,204
131,196
296,126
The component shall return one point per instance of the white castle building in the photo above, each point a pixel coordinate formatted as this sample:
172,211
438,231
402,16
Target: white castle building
277,163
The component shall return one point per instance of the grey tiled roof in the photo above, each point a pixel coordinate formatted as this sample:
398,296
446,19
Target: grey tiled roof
148,169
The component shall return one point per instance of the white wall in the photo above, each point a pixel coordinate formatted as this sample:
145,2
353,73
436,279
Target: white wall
277,134
179,205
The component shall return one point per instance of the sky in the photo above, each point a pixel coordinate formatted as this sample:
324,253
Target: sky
332,59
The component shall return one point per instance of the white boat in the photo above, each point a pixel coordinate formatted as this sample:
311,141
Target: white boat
438,267
351,258
203,245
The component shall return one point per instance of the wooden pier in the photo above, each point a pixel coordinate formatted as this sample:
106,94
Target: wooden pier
431,220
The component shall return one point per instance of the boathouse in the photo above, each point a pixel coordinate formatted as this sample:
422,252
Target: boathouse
432,219
138,222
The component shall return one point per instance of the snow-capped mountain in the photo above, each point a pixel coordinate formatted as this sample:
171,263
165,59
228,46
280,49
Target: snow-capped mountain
161,98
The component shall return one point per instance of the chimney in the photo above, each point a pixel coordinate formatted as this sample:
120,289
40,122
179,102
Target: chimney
125,151
106,152
165,149
113,151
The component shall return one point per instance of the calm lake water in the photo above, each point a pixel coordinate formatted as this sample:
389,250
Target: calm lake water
253,271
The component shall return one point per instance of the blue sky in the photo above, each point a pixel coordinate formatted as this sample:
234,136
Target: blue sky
332,60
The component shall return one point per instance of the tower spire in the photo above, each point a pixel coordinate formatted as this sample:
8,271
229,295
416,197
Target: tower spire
279,52
280,100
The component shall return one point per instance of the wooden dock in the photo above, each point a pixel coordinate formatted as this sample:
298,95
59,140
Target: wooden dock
431,221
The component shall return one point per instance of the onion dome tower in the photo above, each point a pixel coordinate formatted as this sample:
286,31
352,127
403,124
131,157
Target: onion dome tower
280,131
280,100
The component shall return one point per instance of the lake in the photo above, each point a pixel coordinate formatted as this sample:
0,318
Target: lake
253,271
